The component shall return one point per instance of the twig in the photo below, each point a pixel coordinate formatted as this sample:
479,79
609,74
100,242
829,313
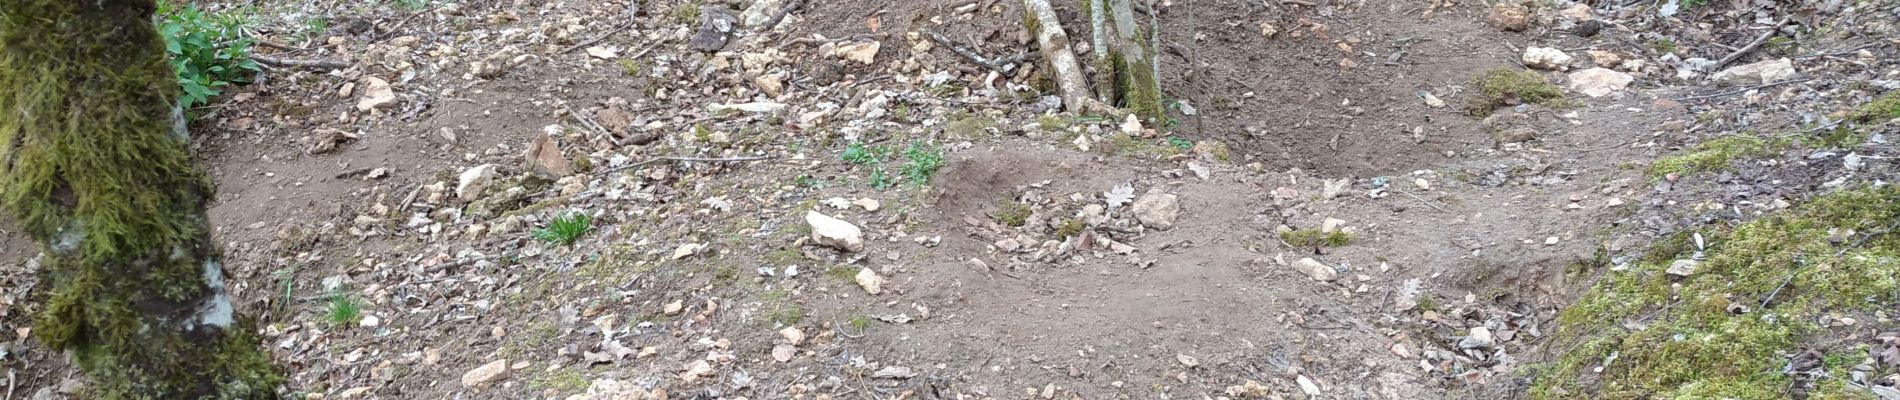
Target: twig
405,21
589,42
591,125
1752,45
698,159
841,331
971,55
1428,203
780,15
1756,87
289,62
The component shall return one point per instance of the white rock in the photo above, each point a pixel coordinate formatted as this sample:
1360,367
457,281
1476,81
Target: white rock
376,94
1317,270
1330,225
894,372
870,281
833,232
792,335
1546,58
1682,268
868,204
604,53
760,11
485,374
474,181
1158,210
686,250
1306,385
1768,71
1479,338
1599,82
370,321
696,370
862,52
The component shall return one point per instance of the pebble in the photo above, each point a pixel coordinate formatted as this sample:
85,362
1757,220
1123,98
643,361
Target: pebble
1478,338
835,233
870,281
1546,58
1316,270
474,181
485,374
1158,210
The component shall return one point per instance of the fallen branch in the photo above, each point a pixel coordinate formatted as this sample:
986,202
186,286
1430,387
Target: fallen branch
589,42
299,63
693,159
780,15
994,64
1761,86
1071,85
592,126
1753,45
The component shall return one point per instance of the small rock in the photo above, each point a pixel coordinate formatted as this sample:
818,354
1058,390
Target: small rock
1577,13
1306,385
1760,72
1187,360
485,374
770,84
1330,225
868,204
1599,81
544,159
863,52
1479,338
1157,210
604,53
870,281
1316,270
474,181
696,370
686,250
1432,100
833,232
1546,58
783,352
792,335
760,11
369,321
716,25
894,372
1422,184
1551,241
1605,59
1682,268
1509,17
376,94
673,308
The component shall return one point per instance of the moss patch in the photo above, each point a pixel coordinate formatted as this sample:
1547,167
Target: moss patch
1886,108
1715,155
1316,238
1503,86
1713,337
1012,213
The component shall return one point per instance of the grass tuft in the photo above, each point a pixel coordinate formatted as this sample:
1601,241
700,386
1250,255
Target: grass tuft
342,310
1315,238
565,229
1714,155
1012,213
1498,87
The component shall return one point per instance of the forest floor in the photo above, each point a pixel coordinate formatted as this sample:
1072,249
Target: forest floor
1349,199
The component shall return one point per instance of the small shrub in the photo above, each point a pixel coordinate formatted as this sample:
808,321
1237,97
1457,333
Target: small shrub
857,153
860,323
208,51
1499,87
1013,214
1071,227
565,229
630,66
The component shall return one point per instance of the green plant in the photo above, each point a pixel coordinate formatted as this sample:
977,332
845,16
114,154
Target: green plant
1499,87
1316,238
565,229
561,381
630,66
1664,46
1012,213
208,51
860,323
921,162
412,5
1880,110
1180,143
342,310
879,179
686,13
1071,227
857,153
787,314
1715,155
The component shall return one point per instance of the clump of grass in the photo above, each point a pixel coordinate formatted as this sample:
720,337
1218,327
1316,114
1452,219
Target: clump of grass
1012,213
860,323
787,314
1315,238
858,153
565,229
561,381
1070,227
921,162
1714,155
630,66
842,273
1724,331
1500,86
1051,123
342,309
970,127
880,180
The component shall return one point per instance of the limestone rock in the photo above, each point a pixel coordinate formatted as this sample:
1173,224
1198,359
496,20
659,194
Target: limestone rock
1546,58
544,159
1509,17
870,281
485,374
1316,270
1599,81
376,94
474,181
833,232
1769,71
1158,210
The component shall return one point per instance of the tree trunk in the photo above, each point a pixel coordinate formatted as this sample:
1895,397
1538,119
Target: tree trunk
1130,62
1054,42
92,167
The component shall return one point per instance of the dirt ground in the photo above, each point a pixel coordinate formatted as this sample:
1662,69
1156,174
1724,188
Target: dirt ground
685,284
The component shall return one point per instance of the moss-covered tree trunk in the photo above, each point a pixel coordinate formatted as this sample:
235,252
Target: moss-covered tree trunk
1129,60
93,167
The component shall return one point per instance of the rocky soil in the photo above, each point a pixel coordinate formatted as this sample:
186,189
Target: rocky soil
829,200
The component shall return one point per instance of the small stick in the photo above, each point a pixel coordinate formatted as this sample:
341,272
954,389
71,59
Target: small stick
289,62
972,56
1761,86
591,125
1428,203
1752,45
596,39
700,159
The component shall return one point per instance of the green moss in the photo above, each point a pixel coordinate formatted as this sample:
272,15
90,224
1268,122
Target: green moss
1886,108
1136,86
1496,87
1051,123
1012,213
1071,227
1315,238
1714,337
1123,144
1715,155
564,381
686,13
842,273
970,127
95,172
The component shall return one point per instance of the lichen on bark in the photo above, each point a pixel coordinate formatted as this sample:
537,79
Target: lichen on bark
90,167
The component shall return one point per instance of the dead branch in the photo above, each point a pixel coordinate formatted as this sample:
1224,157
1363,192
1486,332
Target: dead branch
592,126
589,42
1753,45
299,63
996,64
1071,85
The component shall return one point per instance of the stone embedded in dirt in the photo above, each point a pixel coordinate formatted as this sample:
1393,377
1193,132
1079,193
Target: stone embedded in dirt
1605,59
1761,72
783,352
1422,184
1316,270
686,250
862,52
870,281
485,374
1187,360
1599,81
894,372
1546,58
760,11
1306,385
716,25
1399,349
1682,268
376,94
1479,338
770,84
792,335
1578,13
1250,390
697,370
833,232
1509,17
1158,210
1200,170
604,53
1431,100
474,181
1330,225
328,140
544,160
868,204
673,308
1333,188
